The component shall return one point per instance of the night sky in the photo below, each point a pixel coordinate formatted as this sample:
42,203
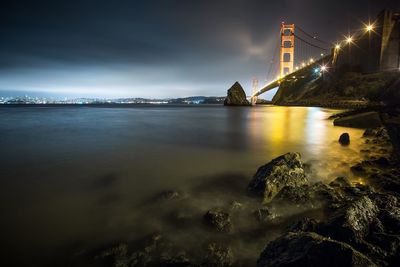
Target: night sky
151,48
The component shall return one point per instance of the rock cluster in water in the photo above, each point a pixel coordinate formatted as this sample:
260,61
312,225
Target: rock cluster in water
361,226
236,96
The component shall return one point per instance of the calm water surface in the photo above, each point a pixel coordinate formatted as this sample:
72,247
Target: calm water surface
77,177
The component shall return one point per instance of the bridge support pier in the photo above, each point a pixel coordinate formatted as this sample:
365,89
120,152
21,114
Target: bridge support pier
254,100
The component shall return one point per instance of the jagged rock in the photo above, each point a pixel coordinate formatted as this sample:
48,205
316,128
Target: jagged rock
236,96
264,215
344,139
312,196
340,182
352,223
176,261
362,120
310,249
304,225
118,255
218,255
389,212
218,220
286,170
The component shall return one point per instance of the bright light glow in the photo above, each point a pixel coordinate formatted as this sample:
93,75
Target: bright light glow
323,68
322,54
349,40
337,47
303,64
297,68
369,27
311,60
316,70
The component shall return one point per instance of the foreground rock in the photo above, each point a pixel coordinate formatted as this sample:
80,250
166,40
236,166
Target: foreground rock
284,171
344,139
310,249
236,96
218,220
362,120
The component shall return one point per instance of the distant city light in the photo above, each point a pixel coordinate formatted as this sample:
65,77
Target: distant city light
337,46
349,40
324,68
316,70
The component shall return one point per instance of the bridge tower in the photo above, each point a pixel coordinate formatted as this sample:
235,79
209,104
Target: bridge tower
287,49
255,90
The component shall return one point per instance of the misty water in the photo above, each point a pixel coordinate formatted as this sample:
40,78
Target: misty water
76,178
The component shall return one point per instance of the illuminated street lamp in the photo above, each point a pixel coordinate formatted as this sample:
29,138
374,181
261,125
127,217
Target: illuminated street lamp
349,40
337,46
369,27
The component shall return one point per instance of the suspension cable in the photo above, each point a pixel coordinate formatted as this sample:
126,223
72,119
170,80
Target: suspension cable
312,37
310,44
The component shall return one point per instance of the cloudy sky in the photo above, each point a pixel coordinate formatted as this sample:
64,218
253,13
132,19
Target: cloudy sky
165,48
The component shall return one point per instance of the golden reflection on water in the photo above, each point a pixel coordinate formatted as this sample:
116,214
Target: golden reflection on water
307,130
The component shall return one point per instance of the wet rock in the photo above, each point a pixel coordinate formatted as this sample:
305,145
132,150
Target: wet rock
295,195
218,255
389,212
340,182
218,220
236,96
304,225
176,261
117,255
310,249
344,139
235,206
362,120
264,215
313,196
352,223
378,135
286,170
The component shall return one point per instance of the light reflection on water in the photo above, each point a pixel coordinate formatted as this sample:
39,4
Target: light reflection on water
78,175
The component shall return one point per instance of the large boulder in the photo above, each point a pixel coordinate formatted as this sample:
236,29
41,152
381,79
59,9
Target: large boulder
283,171
236,96
310,249
362,120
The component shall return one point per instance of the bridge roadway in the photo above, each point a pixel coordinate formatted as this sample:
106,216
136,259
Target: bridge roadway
304,72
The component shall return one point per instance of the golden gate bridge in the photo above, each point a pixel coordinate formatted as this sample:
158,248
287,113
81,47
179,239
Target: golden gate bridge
302,56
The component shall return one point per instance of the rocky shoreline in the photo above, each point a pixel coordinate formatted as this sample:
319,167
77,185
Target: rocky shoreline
339,223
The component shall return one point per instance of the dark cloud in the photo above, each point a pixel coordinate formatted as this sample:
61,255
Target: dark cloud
198,43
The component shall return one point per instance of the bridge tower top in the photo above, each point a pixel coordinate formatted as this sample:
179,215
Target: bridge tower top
287,49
